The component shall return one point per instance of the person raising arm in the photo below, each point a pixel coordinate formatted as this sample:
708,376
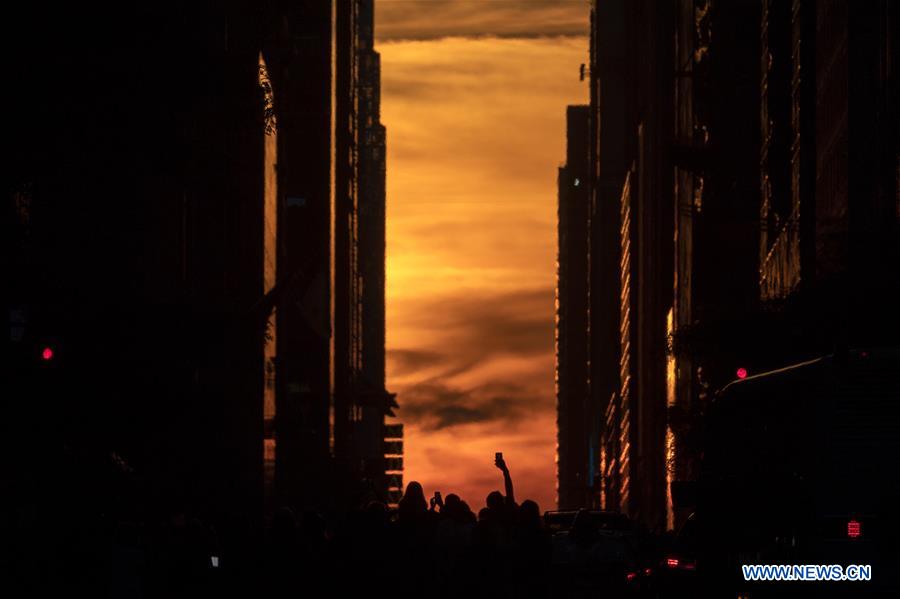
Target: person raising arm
507,479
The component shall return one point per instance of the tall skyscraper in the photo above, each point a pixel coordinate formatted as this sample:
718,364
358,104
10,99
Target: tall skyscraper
575,457
303,79
360,399
374,401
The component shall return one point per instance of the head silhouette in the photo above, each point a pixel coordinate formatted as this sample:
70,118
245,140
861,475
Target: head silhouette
466,514
452,507
495,500
530,514
413,503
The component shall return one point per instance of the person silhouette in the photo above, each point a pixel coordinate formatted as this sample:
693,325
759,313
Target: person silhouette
495,537
413,536
412,506
533,551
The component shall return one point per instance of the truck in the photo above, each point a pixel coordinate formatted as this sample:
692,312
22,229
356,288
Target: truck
799,466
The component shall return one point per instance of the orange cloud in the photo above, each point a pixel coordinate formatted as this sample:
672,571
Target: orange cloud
432,19
476,131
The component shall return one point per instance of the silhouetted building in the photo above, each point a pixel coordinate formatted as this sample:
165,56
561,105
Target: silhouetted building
373,400
360,400
573,454
303,80
638,469
345,271
608,163
146,194
197,238
829,220
393,463
715,150
757,223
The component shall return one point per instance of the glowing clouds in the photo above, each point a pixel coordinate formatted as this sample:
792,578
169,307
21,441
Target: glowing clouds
476,133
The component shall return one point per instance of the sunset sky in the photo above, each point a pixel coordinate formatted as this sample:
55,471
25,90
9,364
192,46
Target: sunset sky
474,94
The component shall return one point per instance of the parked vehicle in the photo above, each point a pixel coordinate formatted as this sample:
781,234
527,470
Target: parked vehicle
600,553
561,520
799,467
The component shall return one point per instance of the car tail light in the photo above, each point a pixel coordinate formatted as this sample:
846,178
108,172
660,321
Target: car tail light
648,571
681,564
631,576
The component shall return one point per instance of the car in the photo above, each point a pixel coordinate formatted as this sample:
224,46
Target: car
601,552
561,520
677,568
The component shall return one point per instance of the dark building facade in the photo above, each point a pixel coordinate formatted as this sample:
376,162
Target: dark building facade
346,342
360,400
573,454
374,402
301,67
607,129
632,221
828,240
744,214
715,149
191,236
144,259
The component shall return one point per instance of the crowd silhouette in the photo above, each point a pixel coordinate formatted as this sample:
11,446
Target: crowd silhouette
434,546
439,547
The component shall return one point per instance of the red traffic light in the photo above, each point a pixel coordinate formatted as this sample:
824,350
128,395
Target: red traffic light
741,373
47,354
854,529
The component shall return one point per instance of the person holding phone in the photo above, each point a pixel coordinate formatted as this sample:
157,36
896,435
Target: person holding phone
507,479
437,501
